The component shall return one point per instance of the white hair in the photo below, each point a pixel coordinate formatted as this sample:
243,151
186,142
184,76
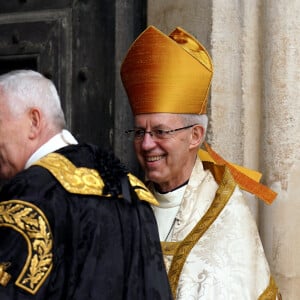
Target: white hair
189,119
25,89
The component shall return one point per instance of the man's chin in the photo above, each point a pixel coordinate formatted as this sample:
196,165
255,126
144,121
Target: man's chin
153,177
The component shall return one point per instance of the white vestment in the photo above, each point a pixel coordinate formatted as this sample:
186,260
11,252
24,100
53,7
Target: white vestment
228,261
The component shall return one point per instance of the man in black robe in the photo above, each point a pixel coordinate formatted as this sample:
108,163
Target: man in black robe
74,223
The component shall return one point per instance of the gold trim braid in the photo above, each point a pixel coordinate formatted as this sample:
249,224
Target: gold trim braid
75,180
141,190
271,292
223,195
86,181
32,224
4,276
169,248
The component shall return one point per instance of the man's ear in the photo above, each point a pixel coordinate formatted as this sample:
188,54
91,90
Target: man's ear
197,136
35,122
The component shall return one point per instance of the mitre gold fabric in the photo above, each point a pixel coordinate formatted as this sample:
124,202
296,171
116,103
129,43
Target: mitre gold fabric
169,74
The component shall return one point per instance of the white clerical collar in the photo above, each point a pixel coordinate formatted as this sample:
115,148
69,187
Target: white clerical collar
171,199
60,140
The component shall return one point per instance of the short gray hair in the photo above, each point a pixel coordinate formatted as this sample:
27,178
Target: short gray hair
189,119
26,89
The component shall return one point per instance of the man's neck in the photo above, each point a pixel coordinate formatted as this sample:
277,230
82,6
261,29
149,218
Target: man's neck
158,189
58,141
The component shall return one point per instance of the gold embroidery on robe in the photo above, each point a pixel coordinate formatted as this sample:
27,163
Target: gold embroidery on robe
4,276
141,190
31,223
86,181
75,180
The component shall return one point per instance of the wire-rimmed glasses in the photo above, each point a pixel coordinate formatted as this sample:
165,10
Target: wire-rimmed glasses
138,134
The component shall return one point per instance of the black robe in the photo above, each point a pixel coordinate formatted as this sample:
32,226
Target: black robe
86,246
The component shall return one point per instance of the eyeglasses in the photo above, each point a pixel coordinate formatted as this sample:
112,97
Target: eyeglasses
159,134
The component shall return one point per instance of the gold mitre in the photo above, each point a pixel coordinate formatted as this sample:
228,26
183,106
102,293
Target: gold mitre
170,74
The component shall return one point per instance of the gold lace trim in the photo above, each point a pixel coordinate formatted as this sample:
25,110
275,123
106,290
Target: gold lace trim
169,248
75,180
31,223
86,181
271,291
141,190
223,194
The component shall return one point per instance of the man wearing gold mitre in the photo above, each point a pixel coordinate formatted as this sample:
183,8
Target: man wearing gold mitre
210,241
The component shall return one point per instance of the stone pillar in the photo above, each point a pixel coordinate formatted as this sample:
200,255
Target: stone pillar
236,88
280,154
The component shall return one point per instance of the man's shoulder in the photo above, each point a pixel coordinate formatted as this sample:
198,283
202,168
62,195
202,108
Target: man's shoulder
26,182
89,170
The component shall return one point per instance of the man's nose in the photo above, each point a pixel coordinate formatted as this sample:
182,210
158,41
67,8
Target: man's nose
148,140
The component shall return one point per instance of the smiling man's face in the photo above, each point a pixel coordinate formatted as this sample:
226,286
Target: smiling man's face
167,162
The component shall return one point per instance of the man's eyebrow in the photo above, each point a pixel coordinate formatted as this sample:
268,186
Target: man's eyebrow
157,126
165,126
